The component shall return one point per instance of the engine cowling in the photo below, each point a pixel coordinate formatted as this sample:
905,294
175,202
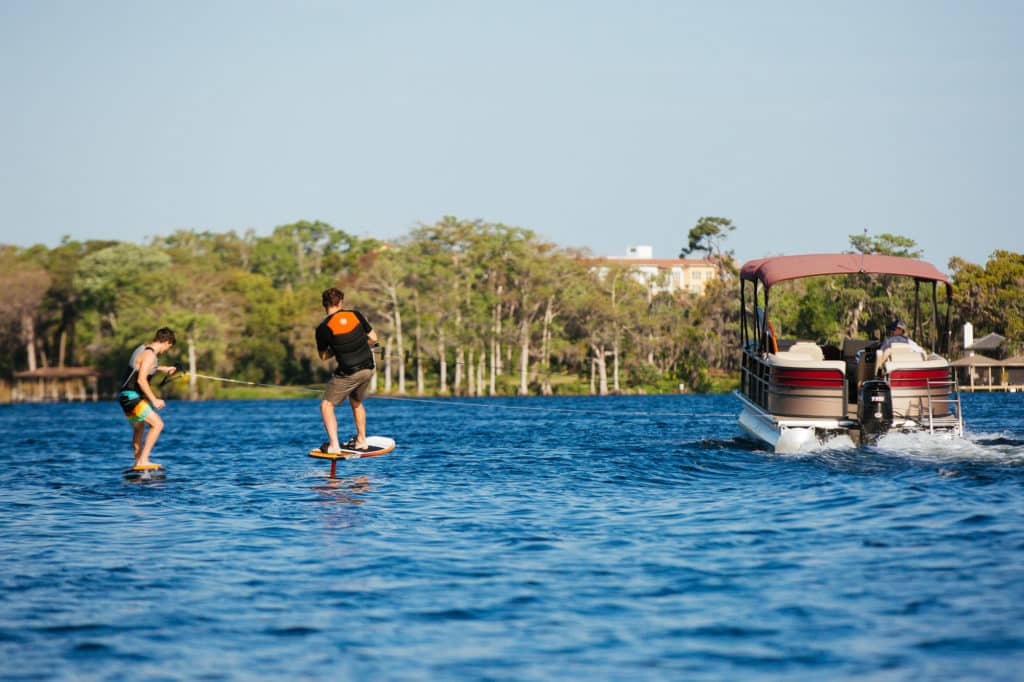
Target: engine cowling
874,410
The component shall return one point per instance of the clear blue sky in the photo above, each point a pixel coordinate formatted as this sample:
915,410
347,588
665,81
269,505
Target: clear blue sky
595,124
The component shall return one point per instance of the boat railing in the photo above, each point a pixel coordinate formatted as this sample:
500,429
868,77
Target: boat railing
794,385
946,393
755,379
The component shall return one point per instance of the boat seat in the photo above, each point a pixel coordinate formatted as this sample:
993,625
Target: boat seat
930,363
789,357
808,348
901,353
804,360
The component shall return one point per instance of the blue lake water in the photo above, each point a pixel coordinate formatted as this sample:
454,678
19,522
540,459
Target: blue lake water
537,539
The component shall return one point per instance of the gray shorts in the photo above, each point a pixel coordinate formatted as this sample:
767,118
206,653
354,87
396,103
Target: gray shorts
355,385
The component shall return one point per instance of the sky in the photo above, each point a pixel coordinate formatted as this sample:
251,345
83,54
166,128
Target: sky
595,124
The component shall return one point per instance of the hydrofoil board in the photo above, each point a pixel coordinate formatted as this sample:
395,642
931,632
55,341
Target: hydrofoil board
144,472
377,445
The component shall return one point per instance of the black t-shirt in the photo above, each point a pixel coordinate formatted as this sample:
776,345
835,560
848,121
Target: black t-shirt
345,333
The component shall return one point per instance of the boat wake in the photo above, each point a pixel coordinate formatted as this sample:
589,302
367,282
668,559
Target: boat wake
996,448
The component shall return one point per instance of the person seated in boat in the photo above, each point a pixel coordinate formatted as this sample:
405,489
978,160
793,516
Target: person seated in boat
898,334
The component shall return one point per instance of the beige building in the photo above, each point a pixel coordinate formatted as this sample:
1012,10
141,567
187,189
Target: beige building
666,274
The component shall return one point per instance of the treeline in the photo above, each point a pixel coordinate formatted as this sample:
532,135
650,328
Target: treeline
461,307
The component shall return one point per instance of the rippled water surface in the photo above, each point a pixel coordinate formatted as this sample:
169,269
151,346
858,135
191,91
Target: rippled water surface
541,539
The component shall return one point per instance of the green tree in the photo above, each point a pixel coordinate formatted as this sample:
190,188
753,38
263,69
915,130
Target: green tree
220,250
708,236
24,285
385,280
437,253
873,302
306,252
886,244
595,319
120,290
992,298
116,271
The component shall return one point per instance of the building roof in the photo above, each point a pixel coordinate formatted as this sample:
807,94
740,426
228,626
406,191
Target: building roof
987,342
658,262
976,361
1015,361
780,268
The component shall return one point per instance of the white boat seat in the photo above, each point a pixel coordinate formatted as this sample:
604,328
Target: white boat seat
893,364
789,357
804,360
808,348
903,353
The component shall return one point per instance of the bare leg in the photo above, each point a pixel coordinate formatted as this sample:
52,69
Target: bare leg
137,430
359,417
156,425
330,423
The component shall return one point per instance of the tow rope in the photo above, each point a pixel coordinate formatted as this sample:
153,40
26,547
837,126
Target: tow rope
465,403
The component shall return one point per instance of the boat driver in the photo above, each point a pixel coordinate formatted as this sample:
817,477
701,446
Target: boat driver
898,334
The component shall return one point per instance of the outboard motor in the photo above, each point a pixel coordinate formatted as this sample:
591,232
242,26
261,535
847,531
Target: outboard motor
874,411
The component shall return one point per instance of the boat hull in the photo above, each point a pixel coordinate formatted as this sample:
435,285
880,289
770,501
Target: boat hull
791,436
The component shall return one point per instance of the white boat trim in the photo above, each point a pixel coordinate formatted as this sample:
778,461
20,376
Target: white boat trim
789,436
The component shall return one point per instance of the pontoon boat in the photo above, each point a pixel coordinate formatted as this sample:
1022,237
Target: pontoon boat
801,393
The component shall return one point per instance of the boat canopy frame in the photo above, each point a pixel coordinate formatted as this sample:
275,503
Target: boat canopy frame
768,272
